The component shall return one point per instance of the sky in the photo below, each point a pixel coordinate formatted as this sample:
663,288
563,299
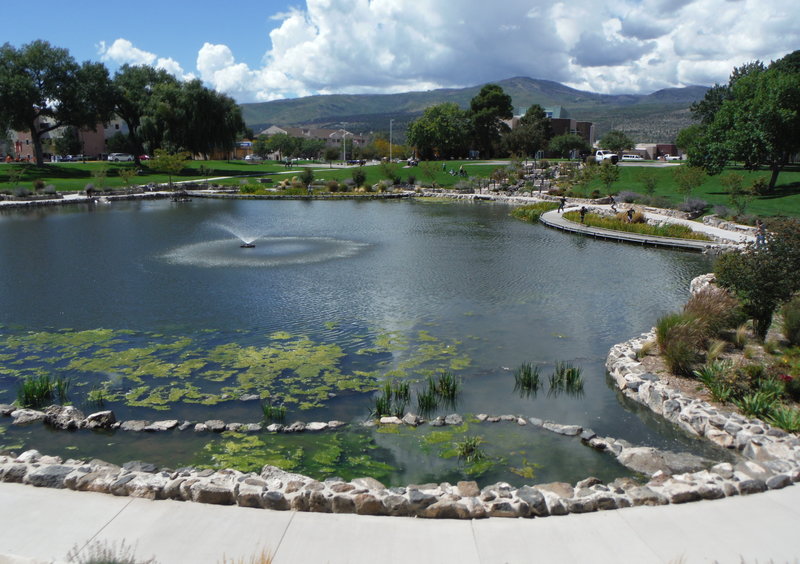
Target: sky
265,50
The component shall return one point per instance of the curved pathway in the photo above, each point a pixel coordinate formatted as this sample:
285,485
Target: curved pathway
723,237
41,525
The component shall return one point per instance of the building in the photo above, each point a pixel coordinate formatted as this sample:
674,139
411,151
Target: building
562,124
331,137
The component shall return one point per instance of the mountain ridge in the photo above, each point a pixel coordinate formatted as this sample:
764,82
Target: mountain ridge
656,116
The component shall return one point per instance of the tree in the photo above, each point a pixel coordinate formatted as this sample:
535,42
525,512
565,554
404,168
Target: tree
738,195
169,163
649,180
764,276
359,176
283,144
616,141
487,110
133,100
760,123
688,178
68,143
42,88
331,154
565,144
608,174
442,131
531,134
755,118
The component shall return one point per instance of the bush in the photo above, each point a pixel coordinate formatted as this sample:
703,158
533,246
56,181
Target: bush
693,206
678,336
716,309
628,197
532,212
412,180
50,190
359,176
760,186
332,186
307,176
38,185
721,211
638,217
21,192
791,321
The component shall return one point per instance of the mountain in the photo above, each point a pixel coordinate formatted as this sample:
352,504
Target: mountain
655,117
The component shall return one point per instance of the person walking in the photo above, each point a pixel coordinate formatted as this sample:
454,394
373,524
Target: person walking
583,213
561,203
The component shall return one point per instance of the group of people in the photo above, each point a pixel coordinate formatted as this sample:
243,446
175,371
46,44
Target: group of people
584,210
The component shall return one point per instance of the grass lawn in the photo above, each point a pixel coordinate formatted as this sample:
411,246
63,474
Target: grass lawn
75,176
784,201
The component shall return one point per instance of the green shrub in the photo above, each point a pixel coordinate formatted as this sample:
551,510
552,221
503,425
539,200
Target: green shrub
359,176
678,336
332,186
758,404
785,417
791,321
531,213
716,310
713,376
566,378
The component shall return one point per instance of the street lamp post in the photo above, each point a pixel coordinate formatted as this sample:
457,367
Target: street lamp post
391,121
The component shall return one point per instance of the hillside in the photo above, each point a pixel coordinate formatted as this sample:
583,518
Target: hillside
646,118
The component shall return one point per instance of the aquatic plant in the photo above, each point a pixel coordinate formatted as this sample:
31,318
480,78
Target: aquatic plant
526,379
566,378
427,399
273,412
468,449
447,386
41,390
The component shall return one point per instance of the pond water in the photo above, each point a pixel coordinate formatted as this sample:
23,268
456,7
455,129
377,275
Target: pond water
153,309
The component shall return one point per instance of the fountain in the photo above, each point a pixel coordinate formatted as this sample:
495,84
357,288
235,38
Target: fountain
275,251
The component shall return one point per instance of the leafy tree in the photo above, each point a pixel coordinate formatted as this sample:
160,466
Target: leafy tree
441,132
133,100
563,145
764,276
169,163
531,134
616,141
608,174
760,123
261,146
688,178
283,144
738,195
68,143
311,148
487,110
649,180
121,143
331,154
42,88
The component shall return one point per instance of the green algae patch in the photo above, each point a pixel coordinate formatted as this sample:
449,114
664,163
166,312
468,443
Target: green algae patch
319,455
156,371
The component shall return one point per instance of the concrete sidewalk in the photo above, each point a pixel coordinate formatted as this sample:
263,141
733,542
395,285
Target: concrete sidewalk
42,525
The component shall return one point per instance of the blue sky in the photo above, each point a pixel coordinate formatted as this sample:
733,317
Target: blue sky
266,50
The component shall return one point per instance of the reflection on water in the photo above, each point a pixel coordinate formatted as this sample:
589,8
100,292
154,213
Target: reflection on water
369,290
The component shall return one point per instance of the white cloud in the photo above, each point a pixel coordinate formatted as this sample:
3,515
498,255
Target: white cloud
349,46
123,52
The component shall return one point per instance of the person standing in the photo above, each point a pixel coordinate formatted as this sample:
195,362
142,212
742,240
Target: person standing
561,204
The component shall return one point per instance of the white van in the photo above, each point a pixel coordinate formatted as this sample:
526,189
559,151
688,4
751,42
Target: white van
120,157
632,158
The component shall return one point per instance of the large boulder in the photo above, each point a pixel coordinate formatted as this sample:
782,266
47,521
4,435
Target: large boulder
63,417
648,460
26,416
51,476
100,420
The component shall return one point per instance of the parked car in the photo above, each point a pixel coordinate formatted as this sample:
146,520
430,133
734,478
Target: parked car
144,157
672,157
632,158
120,157
252,158
73,158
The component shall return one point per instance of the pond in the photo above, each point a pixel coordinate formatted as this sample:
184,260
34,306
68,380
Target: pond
154,310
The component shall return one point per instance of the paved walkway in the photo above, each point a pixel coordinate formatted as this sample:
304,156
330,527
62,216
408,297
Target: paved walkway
555,219
43,525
